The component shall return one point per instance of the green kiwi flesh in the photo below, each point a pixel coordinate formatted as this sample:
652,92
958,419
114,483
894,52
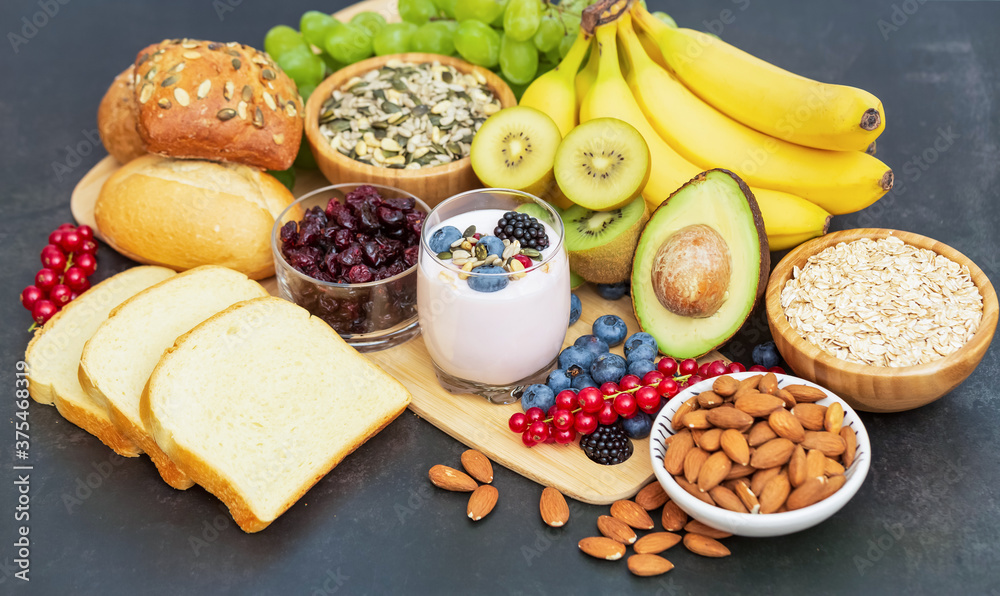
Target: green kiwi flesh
601,243
602,164
515,148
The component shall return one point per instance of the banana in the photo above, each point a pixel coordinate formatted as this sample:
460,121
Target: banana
788,219
554,93
652,50
586,77
838,181
765,97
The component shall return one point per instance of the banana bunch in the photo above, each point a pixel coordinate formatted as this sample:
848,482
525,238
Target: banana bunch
700,103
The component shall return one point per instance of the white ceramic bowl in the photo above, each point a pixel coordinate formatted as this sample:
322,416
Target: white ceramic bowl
747,524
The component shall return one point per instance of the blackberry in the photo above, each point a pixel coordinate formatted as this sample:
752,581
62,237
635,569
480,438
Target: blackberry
522,227
607,445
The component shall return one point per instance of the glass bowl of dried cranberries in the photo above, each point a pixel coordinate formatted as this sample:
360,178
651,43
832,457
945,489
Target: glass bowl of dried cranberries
347,253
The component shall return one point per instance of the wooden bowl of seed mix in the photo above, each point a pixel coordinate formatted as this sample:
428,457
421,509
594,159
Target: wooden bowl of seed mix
400,121
888,320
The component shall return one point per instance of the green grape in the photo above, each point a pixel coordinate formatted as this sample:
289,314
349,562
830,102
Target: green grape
393,39
552,56
485,11
316,25
566,43
370,22
642,3
332,65
549,34
417,12
452,26
447,7
348,44
478,43
571,22
302,65
433,38
517,88
521,19
306,90
282,39
665,19
518,60
498,21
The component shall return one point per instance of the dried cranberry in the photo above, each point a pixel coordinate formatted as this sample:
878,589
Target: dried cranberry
331,263
368,221
401,203
317,215
342,238
410,255
346,220
362,238
333,208
328,303
351,256
359,274
398,233
362,195
374,253
289,233
415,221
391,218
393,248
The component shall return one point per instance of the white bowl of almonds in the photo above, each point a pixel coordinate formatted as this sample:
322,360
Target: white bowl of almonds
757,454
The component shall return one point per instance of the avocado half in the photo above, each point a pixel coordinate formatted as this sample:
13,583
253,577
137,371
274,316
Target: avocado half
720,200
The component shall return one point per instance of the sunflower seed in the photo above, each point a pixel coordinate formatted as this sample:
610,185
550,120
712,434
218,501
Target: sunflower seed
227,90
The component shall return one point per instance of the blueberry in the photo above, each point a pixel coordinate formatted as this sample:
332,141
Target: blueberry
575,308
608,368
612,291
595,345
640,352
638,426
581,357
582,381
491,282
610,328
558,380
494,245
766,355
538,396
442,238
639,368
639,339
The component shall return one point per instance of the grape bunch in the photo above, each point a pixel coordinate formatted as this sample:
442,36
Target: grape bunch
67,262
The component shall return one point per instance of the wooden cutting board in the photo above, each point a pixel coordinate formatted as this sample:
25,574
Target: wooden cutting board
468,418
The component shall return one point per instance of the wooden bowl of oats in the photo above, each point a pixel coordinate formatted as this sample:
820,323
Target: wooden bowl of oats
888,320
375,121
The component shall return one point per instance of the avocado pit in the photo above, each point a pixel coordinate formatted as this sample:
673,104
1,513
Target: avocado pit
691,271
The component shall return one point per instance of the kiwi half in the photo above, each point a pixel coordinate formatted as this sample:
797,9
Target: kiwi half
601,243
515,148
602,164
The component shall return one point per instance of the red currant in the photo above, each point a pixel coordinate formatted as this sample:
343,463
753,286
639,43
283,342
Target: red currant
776,370
757,368
564,436
717,368
625,405
85,232
53,258
527,440
566,399
590,399
87,247
66,226
518,422
87,262
538,431
667,366
534,414
30,295
648,399
43,310
608,415
736,367
668,388
585,423
56,237
688,366
59,295
73,296
562,419
76,279
70,242
610,388
524,260
693,380
45,279
653,377
703,371
551,411
629,382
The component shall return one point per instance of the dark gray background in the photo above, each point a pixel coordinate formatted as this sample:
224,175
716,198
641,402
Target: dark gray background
926,521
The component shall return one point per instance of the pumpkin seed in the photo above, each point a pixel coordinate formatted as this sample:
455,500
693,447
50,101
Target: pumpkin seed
469,231
267,74
247,94
237,63
444,255
225,114
170,81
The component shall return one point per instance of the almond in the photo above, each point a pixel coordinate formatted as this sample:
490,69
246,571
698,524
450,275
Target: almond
834,418
786,396
615,529
714,471
478,466
632,514
746,495
740,471
815,464
648,565
727,499
759,404
651,496
750,383
601,547
761,477
451,479
830,444
705,546
673,459
655,542
692,489
785,424
832,468
698,527
775,493
677,421
760,433
833,484
811,491
693,462
728,418
775,452
673,517
805,393
710,439
810,415
850,445
710,399
734,444
797,468
553,507
768,383
725,385
697,419
482,501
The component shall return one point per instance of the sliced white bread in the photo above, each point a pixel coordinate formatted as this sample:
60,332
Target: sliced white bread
122,353
53,355
260,401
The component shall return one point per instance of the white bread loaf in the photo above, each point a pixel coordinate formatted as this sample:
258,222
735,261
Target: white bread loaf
53,355
260,401
118,359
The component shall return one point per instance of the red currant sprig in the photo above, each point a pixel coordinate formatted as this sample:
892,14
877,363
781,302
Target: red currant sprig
67,263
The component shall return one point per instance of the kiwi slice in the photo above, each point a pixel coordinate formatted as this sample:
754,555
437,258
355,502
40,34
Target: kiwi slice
601,243
515,148
602,164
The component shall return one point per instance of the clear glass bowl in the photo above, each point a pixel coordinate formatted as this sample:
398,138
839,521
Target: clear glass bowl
370,316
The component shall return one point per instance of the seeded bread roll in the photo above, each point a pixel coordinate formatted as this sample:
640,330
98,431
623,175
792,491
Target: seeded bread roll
116,119
218,101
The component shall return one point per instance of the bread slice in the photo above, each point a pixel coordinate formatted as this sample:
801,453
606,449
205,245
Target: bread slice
53,355
122,353
262,400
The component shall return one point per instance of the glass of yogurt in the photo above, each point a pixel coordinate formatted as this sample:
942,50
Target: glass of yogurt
493,291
